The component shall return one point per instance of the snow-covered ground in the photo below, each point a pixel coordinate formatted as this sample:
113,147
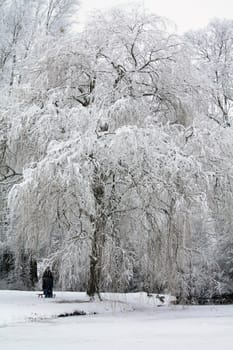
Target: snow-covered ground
120,321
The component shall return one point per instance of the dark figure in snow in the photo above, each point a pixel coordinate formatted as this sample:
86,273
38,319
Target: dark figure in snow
47,283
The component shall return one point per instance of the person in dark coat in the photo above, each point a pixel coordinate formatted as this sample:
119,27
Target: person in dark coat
47,283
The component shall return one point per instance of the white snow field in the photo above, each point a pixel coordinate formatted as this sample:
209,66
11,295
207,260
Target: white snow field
120,321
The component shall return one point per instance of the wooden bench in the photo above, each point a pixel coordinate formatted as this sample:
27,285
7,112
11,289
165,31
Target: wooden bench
41,295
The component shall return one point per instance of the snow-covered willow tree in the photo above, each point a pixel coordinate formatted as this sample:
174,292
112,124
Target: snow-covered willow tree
121,180
110,210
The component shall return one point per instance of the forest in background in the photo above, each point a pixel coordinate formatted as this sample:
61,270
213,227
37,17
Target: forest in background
116,151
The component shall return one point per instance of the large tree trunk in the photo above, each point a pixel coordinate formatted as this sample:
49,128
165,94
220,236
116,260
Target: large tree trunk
96,256
98,237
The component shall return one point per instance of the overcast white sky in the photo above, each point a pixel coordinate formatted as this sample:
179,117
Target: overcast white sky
187,14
